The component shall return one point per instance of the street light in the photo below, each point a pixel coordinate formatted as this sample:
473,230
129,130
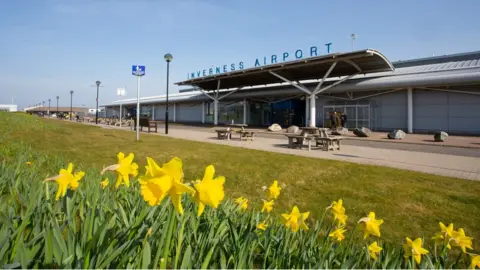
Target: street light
96,112
168,57
49,107
71,101
57,105
43,108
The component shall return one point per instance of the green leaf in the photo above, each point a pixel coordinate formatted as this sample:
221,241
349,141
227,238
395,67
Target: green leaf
187,260
206,261
146,255
48,246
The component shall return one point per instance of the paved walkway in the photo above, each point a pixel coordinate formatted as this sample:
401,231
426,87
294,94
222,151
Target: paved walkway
465,167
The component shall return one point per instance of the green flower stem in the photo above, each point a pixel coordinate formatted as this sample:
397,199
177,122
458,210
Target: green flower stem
168,240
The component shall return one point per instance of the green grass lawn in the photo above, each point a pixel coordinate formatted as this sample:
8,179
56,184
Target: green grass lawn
411,203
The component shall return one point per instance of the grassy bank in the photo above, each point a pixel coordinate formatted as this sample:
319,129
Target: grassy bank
411,203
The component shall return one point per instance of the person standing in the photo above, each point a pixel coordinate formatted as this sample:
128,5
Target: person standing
333,120
343,120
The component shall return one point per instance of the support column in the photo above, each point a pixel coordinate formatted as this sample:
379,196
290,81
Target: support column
153,111
409,110
306,111
174,112
244,111
203,112
312,110
215,112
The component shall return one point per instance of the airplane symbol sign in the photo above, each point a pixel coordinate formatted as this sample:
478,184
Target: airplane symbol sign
138,70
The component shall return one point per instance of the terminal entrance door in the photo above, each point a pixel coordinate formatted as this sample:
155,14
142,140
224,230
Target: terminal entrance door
357,115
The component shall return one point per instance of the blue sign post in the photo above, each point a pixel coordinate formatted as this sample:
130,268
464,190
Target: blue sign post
138,71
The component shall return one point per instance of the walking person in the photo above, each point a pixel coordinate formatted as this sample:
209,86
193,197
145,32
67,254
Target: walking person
343,120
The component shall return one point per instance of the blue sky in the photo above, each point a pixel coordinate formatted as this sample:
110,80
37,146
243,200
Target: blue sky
49,47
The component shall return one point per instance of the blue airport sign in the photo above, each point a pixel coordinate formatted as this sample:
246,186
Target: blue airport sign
273,59
138,70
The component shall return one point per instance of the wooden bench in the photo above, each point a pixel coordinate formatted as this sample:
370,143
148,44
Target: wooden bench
152,125
144,122
224,134
328,142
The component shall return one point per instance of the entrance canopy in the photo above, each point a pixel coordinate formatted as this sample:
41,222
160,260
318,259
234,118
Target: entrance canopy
345,64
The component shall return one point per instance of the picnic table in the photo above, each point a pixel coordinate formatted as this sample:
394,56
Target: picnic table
322,139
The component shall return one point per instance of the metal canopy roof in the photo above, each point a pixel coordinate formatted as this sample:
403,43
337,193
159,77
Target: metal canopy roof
361,62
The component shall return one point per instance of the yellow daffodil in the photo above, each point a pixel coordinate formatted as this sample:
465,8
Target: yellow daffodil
370,225
124,168
242,202
158,182
339,212
295,220
374,250
104,183
446,233
209,191
415,249
267,206
273,191
262,226
338,234
475,261
28,163
460,240
66,179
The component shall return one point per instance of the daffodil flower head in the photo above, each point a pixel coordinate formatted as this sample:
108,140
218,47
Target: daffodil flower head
273,191
461,240
338,234
445,234
370,225
267,206
66,179
295,220
104,183
160,181
415,249
124,169
338,212
209,191
242,202
374,250
475,261
262,226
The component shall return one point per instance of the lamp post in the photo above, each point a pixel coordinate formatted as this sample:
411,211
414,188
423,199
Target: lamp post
71,101
43,108
49,107
57,105
96,112
168,57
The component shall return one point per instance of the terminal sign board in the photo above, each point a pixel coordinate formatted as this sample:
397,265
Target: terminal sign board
266,60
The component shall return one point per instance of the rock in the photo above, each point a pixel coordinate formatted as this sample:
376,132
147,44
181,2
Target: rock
362,132
397,134
340,131
440,136
275,127
292,129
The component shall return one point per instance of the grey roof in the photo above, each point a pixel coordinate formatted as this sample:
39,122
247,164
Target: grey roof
451,70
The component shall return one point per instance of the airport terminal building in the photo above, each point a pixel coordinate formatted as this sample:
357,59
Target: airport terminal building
419,96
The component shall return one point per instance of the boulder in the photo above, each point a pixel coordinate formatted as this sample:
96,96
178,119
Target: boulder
362,132
397,134
292,129
340,131
275,128
440,136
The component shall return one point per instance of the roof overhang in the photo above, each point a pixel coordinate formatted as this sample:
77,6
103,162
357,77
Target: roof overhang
358,62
